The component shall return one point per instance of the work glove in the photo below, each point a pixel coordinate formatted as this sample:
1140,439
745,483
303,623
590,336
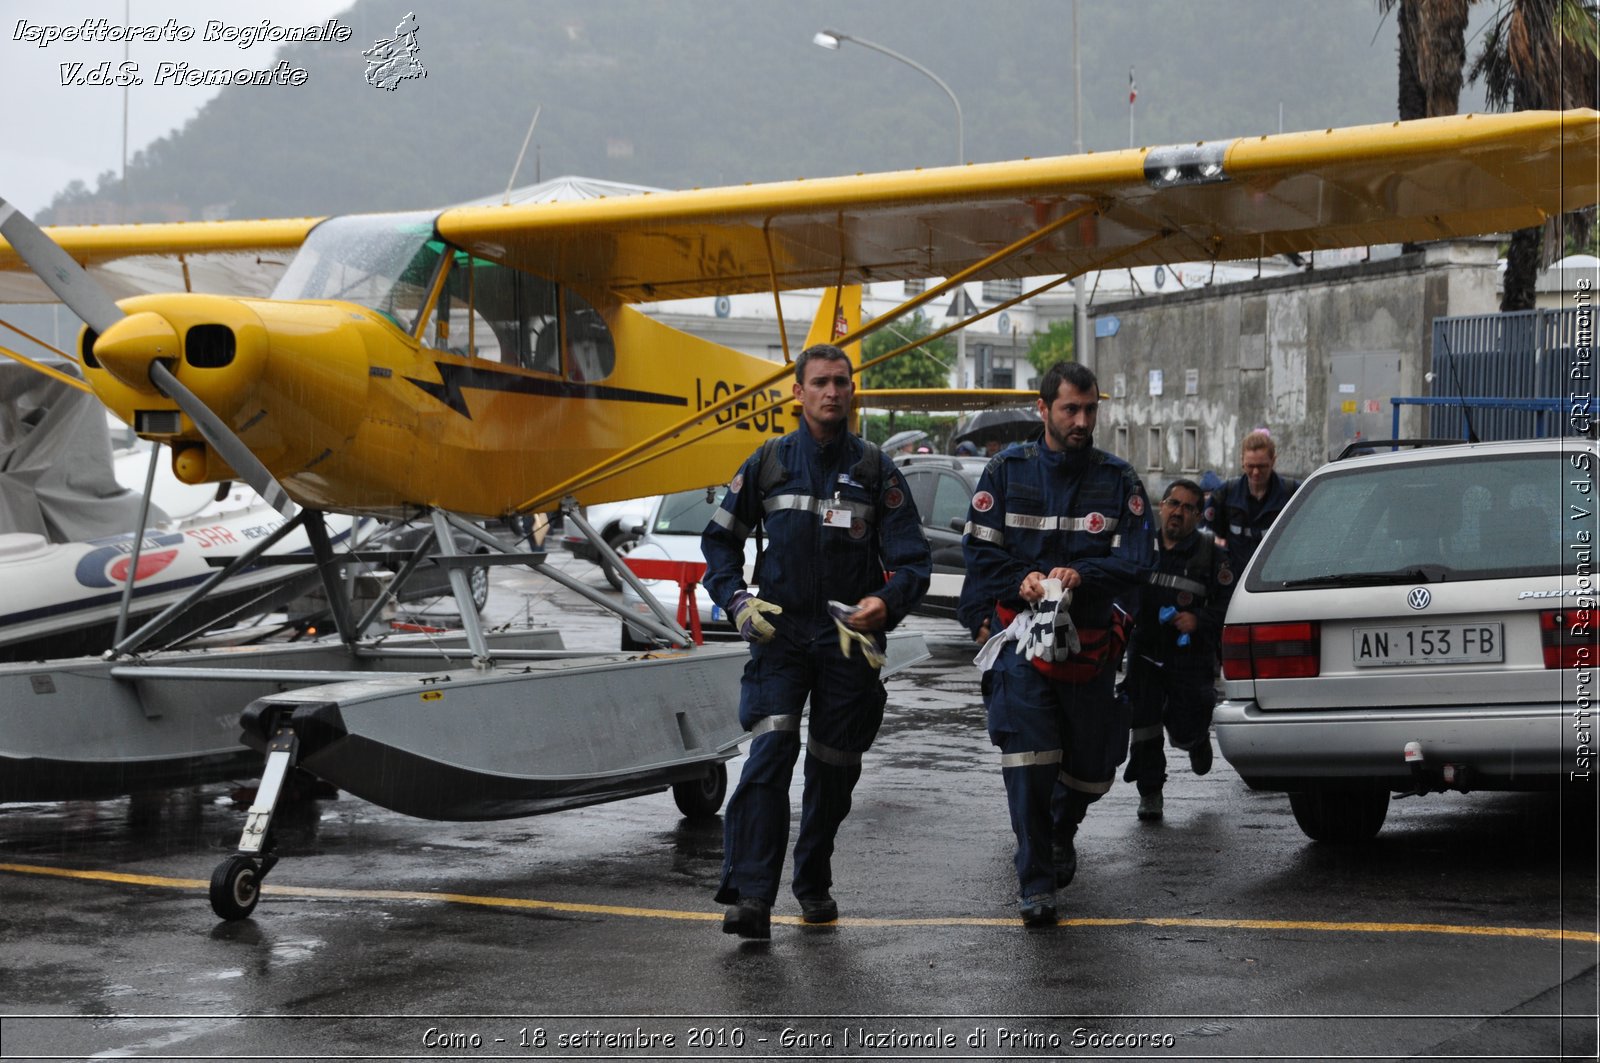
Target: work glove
1051,635
1166,615
749,617
849,637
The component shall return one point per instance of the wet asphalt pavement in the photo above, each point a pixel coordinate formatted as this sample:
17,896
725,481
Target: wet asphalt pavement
1468,929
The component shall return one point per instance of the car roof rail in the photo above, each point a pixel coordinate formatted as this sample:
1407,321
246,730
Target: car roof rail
1360,447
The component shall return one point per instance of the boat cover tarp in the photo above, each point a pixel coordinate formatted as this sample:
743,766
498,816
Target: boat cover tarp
56,476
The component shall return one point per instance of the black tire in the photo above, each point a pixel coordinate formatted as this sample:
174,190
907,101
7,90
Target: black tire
235,888
622,542
1340,816
702,798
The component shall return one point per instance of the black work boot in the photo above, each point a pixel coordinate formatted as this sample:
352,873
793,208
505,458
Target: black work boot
750,918
1064,856
823,909
1038,910
1063,847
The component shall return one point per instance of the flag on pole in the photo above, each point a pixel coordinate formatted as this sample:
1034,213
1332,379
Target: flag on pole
1133,90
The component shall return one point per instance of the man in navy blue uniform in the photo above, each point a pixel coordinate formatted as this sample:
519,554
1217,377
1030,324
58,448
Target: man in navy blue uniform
838,516
1174,651
1056,509
1245,507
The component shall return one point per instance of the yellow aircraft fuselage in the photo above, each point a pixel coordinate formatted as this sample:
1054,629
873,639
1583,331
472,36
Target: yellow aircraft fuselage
349,412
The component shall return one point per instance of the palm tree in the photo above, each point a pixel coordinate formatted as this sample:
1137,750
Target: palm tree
1433,53
1539,55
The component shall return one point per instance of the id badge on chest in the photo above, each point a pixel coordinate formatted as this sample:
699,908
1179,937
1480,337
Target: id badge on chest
836,514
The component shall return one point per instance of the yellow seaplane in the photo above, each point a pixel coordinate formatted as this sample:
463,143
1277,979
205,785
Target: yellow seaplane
488,361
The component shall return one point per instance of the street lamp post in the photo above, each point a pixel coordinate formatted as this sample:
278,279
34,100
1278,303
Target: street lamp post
831,39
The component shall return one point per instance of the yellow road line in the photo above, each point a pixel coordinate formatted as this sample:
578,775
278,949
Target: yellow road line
526,904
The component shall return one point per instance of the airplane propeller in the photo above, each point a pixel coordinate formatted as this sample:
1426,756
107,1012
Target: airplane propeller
74,287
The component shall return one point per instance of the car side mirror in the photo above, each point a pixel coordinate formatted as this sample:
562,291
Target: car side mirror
632,526
958,524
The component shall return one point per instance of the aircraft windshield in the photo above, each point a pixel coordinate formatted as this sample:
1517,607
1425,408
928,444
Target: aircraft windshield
385,262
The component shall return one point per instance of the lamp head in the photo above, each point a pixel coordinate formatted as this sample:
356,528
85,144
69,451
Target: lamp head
828,39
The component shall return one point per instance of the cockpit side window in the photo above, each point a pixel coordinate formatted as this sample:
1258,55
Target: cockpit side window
490,311
591,352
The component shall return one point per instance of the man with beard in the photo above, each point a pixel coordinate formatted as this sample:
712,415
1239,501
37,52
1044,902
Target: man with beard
1056,531
1174,647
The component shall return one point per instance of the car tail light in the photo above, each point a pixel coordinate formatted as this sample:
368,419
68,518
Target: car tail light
1271,651
1236,651
1568,638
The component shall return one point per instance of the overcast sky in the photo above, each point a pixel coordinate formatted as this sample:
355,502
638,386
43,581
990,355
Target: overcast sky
55,133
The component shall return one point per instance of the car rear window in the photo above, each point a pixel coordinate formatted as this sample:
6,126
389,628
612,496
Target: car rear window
1482,517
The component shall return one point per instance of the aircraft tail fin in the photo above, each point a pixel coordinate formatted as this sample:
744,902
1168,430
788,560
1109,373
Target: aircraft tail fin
838,314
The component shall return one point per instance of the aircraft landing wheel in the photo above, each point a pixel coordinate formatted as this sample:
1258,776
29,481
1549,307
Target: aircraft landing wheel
702,798
235,888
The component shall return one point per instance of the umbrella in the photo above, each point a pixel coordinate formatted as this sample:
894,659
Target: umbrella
1008,426
900,440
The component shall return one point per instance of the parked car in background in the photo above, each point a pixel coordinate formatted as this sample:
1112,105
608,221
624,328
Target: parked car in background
671,532
619,524
942,486
1414,621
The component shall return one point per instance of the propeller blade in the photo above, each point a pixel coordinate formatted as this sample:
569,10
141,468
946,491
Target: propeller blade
222,439
72,285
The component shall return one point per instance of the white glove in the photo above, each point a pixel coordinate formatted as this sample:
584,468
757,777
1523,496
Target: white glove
849,636
1051,634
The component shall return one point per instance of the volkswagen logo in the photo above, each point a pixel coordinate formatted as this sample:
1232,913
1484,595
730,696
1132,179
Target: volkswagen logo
1419,598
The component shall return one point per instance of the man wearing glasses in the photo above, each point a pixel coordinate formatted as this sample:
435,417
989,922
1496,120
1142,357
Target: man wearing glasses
1174,647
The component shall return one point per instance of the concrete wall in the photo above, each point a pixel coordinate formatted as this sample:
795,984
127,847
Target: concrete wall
1314,356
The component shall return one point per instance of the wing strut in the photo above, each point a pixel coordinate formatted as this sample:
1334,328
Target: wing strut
49,371
632,458
648,445
138,543
777,296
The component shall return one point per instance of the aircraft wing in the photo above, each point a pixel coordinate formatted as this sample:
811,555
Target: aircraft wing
1235,199
222,257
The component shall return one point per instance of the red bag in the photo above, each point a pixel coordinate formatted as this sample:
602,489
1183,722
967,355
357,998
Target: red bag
1099,646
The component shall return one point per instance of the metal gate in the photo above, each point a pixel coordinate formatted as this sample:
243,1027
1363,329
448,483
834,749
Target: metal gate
1524,354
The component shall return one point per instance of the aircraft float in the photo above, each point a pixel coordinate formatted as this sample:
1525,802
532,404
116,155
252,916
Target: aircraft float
486,361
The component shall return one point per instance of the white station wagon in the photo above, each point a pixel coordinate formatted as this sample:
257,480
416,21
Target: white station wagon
1418,620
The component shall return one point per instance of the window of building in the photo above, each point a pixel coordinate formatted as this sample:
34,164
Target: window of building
1191,449
1155,447
916,287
